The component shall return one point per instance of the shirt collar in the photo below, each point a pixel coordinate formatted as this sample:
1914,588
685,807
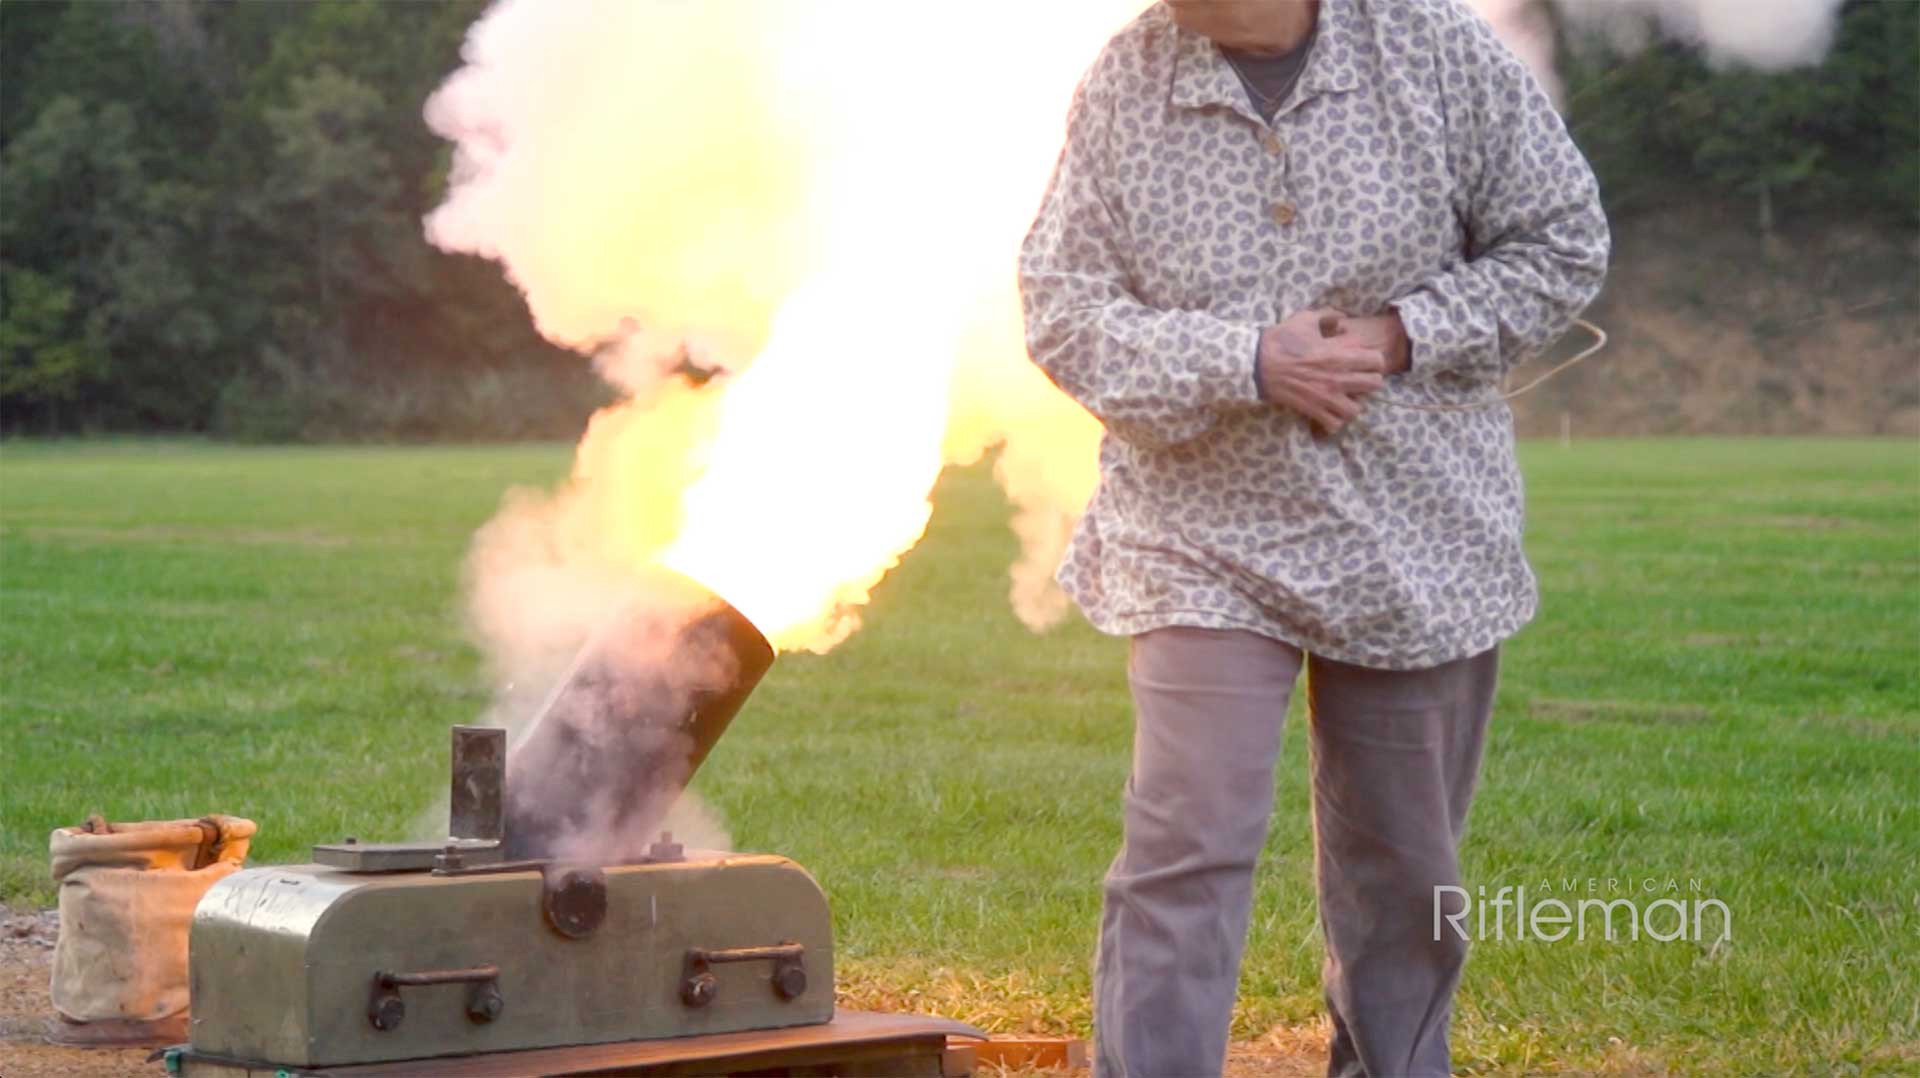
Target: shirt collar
1202,77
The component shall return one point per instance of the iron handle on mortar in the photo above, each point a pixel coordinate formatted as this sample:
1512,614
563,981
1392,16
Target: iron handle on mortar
484,1002
698,985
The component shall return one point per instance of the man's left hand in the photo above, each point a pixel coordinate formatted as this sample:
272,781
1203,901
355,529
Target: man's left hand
1383,333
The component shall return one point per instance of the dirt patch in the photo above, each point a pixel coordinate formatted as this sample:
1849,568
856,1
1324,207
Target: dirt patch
1643,714
1716,331
1015,1003
1281,1052
26,958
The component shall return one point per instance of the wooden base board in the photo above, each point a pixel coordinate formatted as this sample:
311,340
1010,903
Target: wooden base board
855,1044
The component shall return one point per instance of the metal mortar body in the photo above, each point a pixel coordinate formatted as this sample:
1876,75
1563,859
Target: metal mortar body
311,965
588,935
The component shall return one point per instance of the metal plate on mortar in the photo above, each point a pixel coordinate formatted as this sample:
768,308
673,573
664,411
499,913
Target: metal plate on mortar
376,856
402,856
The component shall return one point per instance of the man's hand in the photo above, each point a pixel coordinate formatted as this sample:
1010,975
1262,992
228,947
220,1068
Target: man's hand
1321,377
1381,332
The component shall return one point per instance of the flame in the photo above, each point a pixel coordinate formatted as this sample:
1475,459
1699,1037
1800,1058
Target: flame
825,199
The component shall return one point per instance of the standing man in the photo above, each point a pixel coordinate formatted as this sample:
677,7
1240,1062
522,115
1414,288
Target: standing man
1289,251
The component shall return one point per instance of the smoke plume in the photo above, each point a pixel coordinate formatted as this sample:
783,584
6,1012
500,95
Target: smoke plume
1766,34
821,208
792,194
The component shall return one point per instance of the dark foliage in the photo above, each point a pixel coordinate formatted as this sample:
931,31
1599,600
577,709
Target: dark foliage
211,222
1839,139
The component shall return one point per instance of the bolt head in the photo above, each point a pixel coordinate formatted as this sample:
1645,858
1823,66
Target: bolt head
387,1012
486,1006
790,980
699,990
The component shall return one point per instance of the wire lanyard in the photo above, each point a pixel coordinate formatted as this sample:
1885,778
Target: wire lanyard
1328,326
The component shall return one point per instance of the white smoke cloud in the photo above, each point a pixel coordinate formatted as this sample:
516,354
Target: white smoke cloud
1523,26
781,190
1766,34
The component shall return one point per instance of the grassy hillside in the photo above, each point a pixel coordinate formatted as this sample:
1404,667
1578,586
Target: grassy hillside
1719,329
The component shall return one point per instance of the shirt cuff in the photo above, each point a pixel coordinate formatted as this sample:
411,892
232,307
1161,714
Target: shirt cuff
1259,383
1243,352
1422,321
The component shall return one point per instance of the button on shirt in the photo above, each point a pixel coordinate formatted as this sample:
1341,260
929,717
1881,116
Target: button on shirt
1416,166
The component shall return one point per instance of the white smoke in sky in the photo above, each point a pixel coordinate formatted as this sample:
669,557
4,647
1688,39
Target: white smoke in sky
821,198
784,190
1523,26
1766,34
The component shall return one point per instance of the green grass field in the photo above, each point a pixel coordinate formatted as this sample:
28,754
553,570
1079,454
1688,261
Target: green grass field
1723,686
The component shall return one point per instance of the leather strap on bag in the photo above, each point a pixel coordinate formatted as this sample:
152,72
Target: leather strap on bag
209,842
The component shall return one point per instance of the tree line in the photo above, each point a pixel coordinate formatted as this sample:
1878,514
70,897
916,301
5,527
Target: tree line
210,211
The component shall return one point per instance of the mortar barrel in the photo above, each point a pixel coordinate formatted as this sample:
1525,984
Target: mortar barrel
622,736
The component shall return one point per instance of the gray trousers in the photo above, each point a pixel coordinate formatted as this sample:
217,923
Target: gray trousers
1395,754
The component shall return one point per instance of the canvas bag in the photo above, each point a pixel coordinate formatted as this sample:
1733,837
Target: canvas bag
127,893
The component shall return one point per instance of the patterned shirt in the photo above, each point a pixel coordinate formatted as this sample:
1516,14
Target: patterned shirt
1416,165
